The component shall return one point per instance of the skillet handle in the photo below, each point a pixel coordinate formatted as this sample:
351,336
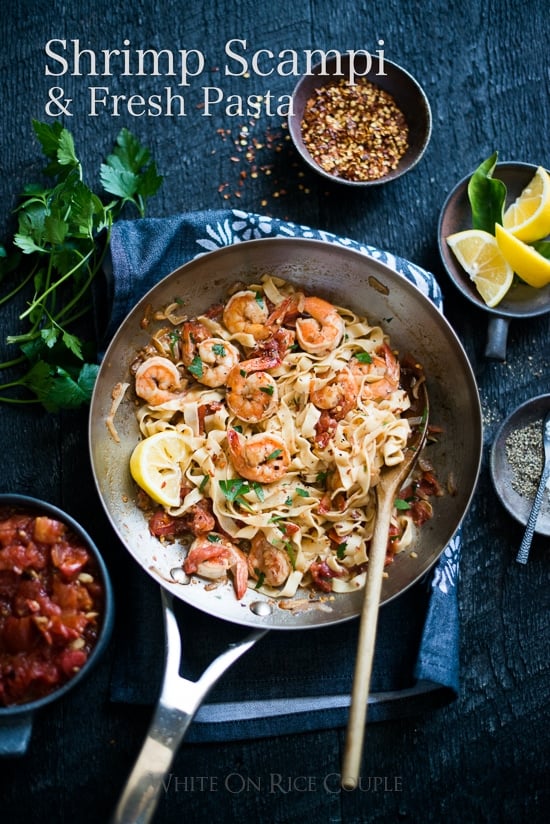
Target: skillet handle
149,776
497,336
178,703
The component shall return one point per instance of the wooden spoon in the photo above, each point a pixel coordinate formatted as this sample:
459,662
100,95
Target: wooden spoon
391,480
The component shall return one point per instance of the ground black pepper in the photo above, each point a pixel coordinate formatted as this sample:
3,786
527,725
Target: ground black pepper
525,455
354,131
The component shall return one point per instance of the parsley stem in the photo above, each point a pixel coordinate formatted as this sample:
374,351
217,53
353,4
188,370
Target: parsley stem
13,362
92,272
51,288
9,384
17,400
16,289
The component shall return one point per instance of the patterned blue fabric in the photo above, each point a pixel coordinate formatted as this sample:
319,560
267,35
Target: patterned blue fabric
416,661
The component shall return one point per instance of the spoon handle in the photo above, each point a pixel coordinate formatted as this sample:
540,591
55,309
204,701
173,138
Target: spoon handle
523,552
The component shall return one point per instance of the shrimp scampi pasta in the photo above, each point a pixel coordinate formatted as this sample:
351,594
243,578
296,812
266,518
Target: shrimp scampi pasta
289,407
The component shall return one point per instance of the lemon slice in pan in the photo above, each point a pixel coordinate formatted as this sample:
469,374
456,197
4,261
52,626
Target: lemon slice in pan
157,465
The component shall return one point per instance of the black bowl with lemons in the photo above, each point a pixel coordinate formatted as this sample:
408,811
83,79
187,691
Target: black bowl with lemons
509,296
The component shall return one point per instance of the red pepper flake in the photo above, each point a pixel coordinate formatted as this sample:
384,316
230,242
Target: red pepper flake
354,131
254,155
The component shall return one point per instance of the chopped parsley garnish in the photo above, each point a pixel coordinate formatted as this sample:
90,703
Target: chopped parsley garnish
219,349
363,357
236,488
174,339
195,367
303,493
214,539
341,550
205,479
261,578
291,551
269,390
259,490
275,454
400,503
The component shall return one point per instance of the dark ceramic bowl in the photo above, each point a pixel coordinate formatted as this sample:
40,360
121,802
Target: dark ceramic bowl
503,474
406,92
16,720
522,301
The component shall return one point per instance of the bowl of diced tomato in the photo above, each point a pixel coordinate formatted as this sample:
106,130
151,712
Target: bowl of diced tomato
56,611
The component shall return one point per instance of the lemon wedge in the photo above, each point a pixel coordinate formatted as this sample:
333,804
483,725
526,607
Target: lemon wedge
526,262
528,217
157,464
479,255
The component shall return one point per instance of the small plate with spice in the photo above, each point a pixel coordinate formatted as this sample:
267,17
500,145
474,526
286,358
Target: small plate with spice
517,459
359,120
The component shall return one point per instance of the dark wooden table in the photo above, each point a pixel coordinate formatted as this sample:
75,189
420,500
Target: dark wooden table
485,69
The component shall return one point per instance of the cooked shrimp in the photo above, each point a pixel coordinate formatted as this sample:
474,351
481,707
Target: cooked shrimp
267,562
380,377
214,361
339,394
246,311
212,556
158,380
252,393
193,332
263,457
287,311
323,330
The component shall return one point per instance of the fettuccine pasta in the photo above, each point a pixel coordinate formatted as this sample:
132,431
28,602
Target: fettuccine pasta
289,408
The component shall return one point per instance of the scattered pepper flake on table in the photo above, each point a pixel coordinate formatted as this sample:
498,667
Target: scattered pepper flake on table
354,131
254,157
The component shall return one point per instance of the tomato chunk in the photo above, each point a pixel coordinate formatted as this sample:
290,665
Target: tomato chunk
51,603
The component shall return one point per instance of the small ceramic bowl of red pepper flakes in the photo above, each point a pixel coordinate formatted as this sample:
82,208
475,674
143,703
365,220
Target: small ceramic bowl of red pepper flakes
56,611
359,119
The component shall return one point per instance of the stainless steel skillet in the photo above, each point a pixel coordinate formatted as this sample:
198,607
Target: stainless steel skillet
345,277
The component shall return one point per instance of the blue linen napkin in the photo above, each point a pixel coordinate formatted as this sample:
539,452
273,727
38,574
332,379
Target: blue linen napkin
270,691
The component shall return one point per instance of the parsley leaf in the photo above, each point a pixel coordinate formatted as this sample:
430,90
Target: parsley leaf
129,173
62,235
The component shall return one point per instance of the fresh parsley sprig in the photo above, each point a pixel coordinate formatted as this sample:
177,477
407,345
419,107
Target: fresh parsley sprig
63,233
